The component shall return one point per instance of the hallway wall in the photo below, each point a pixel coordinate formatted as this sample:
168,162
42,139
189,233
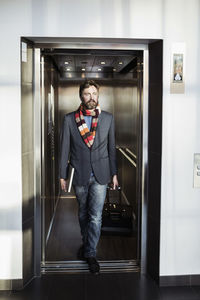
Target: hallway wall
171,20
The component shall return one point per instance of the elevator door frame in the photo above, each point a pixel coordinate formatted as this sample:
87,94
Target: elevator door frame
91,43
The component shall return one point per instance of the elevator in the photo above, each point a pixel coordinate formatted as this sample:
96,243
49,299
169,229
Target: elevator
122,71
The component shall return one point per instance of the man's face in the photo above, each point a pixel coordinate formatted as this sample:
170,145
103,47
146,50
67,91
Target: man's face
90,97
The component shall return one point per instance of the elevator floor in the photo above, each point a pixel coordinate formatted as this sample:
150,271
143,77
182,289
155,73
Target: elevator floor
65,239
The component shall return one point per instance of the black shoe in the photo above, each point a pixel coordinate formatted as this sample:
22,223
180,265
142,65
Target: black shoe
93,265
80,253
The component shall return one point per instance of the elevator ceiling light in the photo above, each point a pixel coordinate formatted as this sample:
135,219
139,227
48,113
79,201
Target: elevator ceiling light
66,62
99,69
68,69
103,62
83,69
120,63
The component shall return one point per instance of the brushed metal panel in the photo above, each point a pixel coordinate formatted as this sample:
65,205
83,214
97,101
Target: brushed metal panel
28,250
27,67
49,132
91,43
27,185
27,117
37,162
27,123
125,111
7,285
129,183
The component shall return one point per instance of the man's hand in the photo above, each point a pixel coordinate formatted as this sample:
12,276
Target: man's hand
115,183
64,184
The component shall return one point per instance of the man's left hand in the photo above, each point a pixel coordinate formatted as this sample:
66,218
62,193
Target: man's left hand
114,182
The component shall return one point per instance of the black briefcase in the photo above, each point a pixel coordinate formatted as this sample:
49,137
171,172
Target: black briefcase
117,218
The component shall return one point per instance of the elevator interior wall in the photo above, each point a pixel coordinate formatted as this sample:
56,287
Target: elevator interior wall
120,94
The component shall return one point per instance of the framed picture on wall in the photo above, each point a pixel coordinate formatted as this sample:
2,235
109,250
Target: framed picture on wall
177,68
177,76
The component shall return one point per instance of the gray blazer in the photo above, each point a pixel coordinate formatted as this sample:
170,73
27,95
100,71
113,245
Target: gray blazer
101,158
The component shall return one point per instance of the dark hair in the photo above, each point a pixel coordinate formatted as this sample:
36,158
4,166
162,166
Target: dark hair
86,84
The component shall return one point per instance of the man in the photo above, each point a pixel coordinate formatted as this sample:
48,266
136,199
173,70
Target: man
88,135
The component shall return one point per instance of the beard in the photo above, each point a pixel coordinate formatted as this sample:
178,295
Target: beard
90,104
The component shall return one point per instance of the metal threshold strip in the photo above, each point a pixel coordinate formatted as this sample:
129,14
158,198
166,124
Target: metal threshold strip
80,266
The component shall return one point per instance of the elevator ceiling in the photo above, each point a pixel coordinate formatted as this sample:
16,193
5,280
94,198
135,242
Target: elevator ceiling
102,64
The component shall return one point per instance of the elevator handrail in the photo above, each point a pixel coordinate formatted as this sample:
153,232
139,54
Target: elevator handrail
131,153
129,159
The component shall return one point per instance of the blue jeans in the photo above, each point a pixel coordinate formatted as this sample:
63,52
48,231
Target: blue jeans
91,199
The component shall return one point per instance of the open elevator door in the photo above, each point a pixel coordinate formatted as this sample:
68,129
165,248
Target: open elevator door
129,156
40,43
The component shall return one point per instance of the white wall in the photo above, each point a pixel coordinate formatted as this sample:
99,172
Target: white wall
180,207
172,20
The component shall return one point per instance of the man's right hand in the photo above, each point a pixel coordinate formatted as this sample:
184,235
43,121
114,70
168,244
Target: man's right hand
64,184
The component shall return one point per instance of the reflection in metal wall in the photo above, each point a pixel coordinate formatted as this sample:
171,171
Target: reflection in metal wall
125,112
49,136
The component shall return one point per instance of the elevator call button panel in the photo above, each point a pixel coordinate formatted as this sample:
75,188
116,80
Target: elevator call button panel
197,170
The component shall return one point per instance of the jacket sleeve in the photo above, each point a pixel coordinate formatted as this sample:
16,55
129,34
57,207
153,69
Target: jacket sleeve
112,148
64,148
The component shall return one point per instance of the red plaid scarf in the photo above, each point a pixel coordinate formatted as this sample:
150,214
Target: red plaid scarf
88,136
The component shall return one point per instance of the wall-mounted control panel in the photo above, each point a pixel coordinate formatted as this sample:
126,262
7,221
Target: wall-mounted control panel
197,170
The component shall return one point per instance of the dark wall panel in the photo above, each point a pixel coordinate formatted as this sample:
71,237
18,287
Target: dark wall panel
154,157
